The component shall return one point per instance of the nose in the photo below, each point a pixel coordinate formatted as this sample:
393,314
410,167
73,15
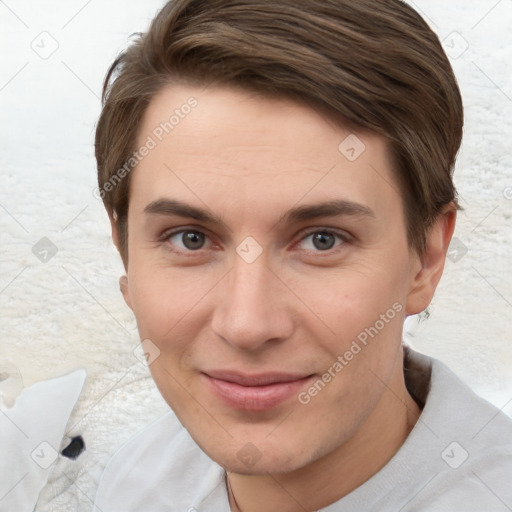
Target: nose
252,307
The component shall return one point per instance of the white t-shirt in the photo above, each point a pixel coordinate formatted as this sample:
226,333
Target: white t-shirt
458,457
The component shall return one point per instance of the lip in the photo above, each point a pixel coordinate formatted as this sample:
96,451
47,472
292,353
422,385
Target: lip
254,392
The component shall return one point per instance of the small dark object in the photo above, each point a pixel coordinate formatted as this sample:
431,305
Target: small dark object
74,448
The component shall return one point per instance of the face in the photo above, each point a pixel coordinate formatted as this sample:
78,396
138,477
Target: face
268,266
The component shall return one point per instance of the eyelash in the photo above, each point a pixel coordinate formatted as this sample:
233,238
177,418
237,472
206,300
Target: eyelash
342,236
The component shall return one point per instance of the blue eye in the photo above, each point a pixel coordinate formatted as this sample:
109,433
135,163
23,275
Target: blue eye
322,240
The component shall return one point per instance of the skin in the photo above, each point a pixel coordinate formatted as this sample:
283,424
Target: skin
248,160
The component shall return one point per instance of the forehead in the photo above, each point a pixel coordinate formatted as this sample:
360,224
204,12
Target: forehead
222,143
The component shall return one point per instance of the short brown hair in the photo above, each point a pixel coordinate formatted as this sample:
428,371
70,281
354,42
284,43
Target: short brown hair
375,63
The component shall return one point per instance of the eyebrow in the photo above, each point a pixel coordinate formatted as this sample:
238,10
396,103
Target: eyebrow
333,208
180,209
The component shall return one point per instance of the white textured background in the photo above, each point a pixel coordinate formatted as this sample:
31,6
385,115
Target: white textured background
68,312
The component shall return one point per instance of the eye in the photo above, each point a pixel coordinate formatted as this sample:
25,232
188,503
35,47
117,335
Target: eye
321,240
186,239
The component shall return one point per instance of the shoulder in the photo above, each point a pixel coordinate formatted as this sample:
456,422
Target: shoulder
452,407
473,480
455,408
472,442
158,469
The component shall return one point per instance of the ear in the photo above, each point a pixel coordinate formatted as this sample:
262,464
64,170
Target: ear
123,280
124,286
428,269
115,231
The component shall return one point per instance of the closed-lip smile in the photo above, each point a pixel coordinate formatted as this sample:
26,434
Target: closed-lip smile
256,392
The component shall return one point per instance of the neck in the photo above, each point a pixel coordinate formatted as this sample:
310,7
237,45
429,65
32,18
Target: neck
328,479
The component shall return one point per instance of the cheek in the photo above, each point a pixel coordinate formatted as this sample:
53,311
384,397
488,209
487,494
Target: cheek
162,307
348,301
148,305
162,299
364,312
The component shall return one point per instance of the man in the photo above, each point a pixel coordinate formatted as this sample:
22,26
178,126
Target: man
278,176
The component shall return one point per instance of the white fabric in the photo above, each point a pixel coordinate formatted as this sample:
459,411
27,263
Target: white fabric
458,457
31,432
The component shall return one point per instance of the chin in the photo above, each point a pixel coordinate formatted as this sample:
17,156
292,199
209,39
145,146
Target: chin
260,456
273,465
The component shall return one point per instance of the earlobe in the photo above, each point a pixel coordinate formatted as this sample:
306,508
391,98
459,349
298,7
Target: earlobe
115,231
125,290
430,267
